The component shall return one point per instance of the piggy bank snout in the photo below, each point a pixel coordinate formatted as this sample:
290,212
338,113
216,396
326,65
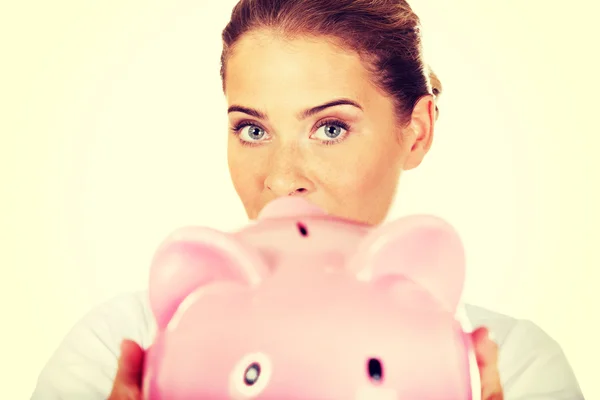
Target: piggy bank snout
290,207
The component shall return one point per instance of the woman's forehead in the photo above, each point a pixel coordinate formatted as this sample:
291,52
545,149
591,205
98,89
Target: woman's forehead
266,64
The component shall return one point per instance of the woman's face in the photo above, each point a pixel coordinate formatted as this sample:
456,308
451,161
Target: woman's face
306,120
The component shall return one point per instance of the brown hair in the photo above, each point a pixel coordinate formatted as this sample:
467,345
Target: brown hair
385,33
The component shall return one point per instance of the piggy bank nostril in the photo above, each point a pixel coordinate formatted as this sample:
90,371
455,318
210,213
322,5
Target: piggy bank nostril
375,370
302,229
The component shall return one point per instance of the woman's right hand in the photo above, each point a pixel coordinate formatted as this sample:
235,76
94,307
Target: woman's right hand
128,381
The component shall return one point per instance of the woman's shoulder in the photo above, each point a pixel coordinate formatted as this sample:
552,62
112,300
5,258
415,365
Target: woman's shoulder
107,323
127,314
85,363
505,329
497,323
531,362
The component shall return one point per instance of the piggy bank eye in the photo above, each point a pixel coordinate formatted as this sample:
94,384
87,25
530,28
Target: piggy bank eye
250,376
375,370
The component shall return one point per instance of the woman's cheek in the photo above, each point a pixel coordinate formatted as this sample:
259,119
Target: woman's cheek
246,178
362,172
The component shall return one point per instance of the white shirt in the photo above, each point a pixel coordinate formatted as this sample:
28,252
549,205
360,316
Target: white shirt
532,365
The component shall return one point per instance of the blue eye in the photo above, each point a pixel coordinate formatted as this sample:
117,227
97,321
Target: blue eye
333,131
328,132
254,133
249,134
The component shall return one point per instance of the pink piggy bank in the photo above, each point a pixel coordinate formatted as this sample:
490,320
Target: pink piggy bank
302,305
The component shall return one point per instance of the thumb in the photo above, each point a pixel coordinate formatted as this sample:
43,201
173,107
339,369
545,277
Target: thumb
486,351
129,373
485,348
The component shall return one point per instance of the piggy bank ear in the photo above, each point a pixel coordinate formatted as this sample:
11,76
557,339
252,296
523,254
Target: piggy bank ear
290,206
423,249
193,257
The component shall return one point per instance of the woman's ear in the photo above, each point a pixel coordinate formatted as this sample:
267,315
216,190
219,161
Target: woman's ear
423,249
418,135
195,257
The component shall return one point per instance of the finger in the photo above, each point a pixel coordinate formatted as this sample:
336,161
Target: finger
486,351
129,373
131,362
485,348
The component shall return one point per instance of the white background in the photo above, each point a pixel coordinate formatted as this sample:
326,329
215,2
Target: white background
114,131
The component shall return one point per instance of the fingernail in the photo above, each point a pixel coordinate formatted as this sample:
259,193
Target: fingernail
123,347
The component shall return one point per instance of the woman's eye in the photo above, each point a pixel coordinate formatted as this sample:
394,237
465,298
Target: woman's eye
327,132
330,132
252,133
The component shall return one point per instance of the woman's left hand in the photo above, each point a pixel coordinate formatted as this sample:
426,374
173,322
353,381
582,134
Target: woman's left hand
486,351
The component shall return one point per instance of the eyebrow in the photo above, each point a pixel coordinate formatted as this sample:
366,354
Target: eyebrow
302,115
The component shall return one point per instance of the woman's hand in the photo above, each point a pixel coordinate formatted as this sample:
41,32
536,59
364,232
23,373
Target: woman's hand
128,382
486,351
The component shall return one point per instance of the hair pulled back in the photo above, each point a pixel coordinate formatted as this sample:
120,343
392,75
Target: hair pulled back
386,34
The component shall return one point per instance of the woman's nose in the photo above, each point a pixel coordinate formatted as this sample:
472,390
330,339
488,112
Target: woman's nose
288,185
285,179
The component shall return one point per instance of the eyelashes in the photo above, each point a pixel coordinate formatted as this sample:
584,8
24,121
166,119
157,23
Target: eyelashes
342,126
333,122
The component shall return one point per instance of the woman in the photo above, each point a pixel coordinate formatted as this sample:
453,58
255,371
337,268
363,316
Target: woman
330,100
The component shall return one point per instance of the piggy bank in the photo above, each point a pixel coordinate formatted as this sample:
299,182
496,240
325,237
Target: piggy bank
303,305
